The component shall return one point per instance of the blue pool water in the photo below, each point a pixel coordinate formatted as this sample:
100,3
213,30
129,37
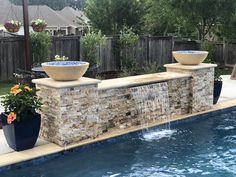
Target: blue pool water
201,148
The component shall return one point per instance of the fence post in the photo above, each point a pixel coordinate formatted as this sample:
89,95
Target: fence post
173,45
78,47
225,52
147,43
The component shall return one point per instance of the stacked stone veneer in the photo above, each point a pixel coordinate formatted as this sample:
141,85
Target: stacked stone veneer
180,96
201,85
85,109
126,107
69,114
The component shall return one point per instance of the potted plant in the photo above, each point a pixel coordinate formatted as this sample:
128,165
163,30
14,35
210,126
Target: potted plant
217,86
12,26
38,25
20,121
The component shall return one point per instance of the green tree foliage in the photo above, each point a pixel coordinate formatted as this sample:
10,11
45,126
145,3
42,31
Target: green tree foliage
227,28
110,16
204,15
160,18
55,4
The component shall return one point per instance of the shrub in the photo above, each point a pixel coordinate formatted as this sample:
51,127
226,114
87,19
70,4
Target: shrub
127,41
90,42
209,46
40,46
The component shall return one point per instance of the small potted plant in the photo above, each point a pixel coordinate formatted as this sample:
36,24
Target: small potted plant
38,25
20,121
12,26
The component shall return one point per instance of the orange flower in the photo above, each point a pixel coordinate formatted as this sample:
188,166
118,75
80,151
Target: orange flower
16,91
28,88
11,117
17,86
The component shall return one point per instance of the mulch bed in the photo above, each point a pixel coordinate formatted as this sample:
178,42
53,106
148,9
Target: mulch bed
109,74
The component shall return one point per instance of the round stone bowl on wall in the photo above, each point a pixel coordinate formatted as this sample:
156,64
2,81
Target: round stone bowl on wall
190,57
65,70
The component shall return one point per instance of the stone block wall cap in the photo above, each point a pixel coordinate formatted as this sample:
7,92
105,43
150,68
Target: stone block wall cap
65,84
139,80
190,67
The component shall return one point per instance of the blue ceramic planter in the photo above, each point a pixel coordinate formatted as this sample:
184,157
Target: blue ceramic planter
21,135
217,91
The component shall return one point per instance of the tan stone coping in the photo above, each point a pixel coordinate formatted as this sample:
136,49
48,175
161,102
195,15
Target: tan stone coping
47,149
65,84
140,80
190,67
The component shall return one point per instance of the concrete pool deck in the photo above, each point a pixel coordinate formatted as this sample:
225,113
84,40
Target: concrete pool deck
228,89
43,148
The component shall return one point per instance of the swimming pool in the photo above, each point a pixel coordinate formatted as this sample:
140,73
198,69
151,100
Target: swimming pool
206,147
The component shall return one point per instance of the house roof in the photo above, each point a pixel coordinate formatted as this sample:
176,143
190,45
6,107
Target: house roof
44,12
4,6
73,16
64,18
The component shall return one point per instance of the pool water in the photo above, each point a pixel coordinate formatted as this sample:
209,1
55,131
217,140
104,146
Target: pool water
201,148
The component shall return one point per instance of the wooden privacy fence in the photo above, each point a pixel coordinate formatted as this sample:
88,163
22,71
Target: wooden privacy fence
149,49
66,46
12,52
225,53
11,56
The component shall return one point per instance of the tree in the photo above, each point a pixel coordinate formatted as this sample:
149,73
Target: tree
159,19
227,28
110,16
204,15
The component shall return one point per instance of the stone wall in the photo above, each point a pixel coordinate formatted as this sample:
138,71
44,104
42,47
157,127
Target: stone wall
69,114
180,96
78,110
126,107
202,84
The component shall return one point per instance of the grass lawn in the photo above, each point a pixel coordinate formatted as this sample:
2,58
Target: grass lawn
225,71
5,87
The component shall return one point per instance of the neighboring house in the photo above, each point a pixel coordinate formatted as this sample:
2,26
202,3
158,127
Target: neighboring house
78,20
64,22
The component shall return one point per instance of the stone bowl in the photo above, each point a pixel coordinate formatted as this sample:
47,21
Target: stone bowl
65,70
190,57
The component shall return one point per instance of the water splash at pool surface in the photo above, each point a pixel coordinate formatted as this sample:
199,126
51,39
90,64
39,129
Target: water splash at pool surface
158,134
